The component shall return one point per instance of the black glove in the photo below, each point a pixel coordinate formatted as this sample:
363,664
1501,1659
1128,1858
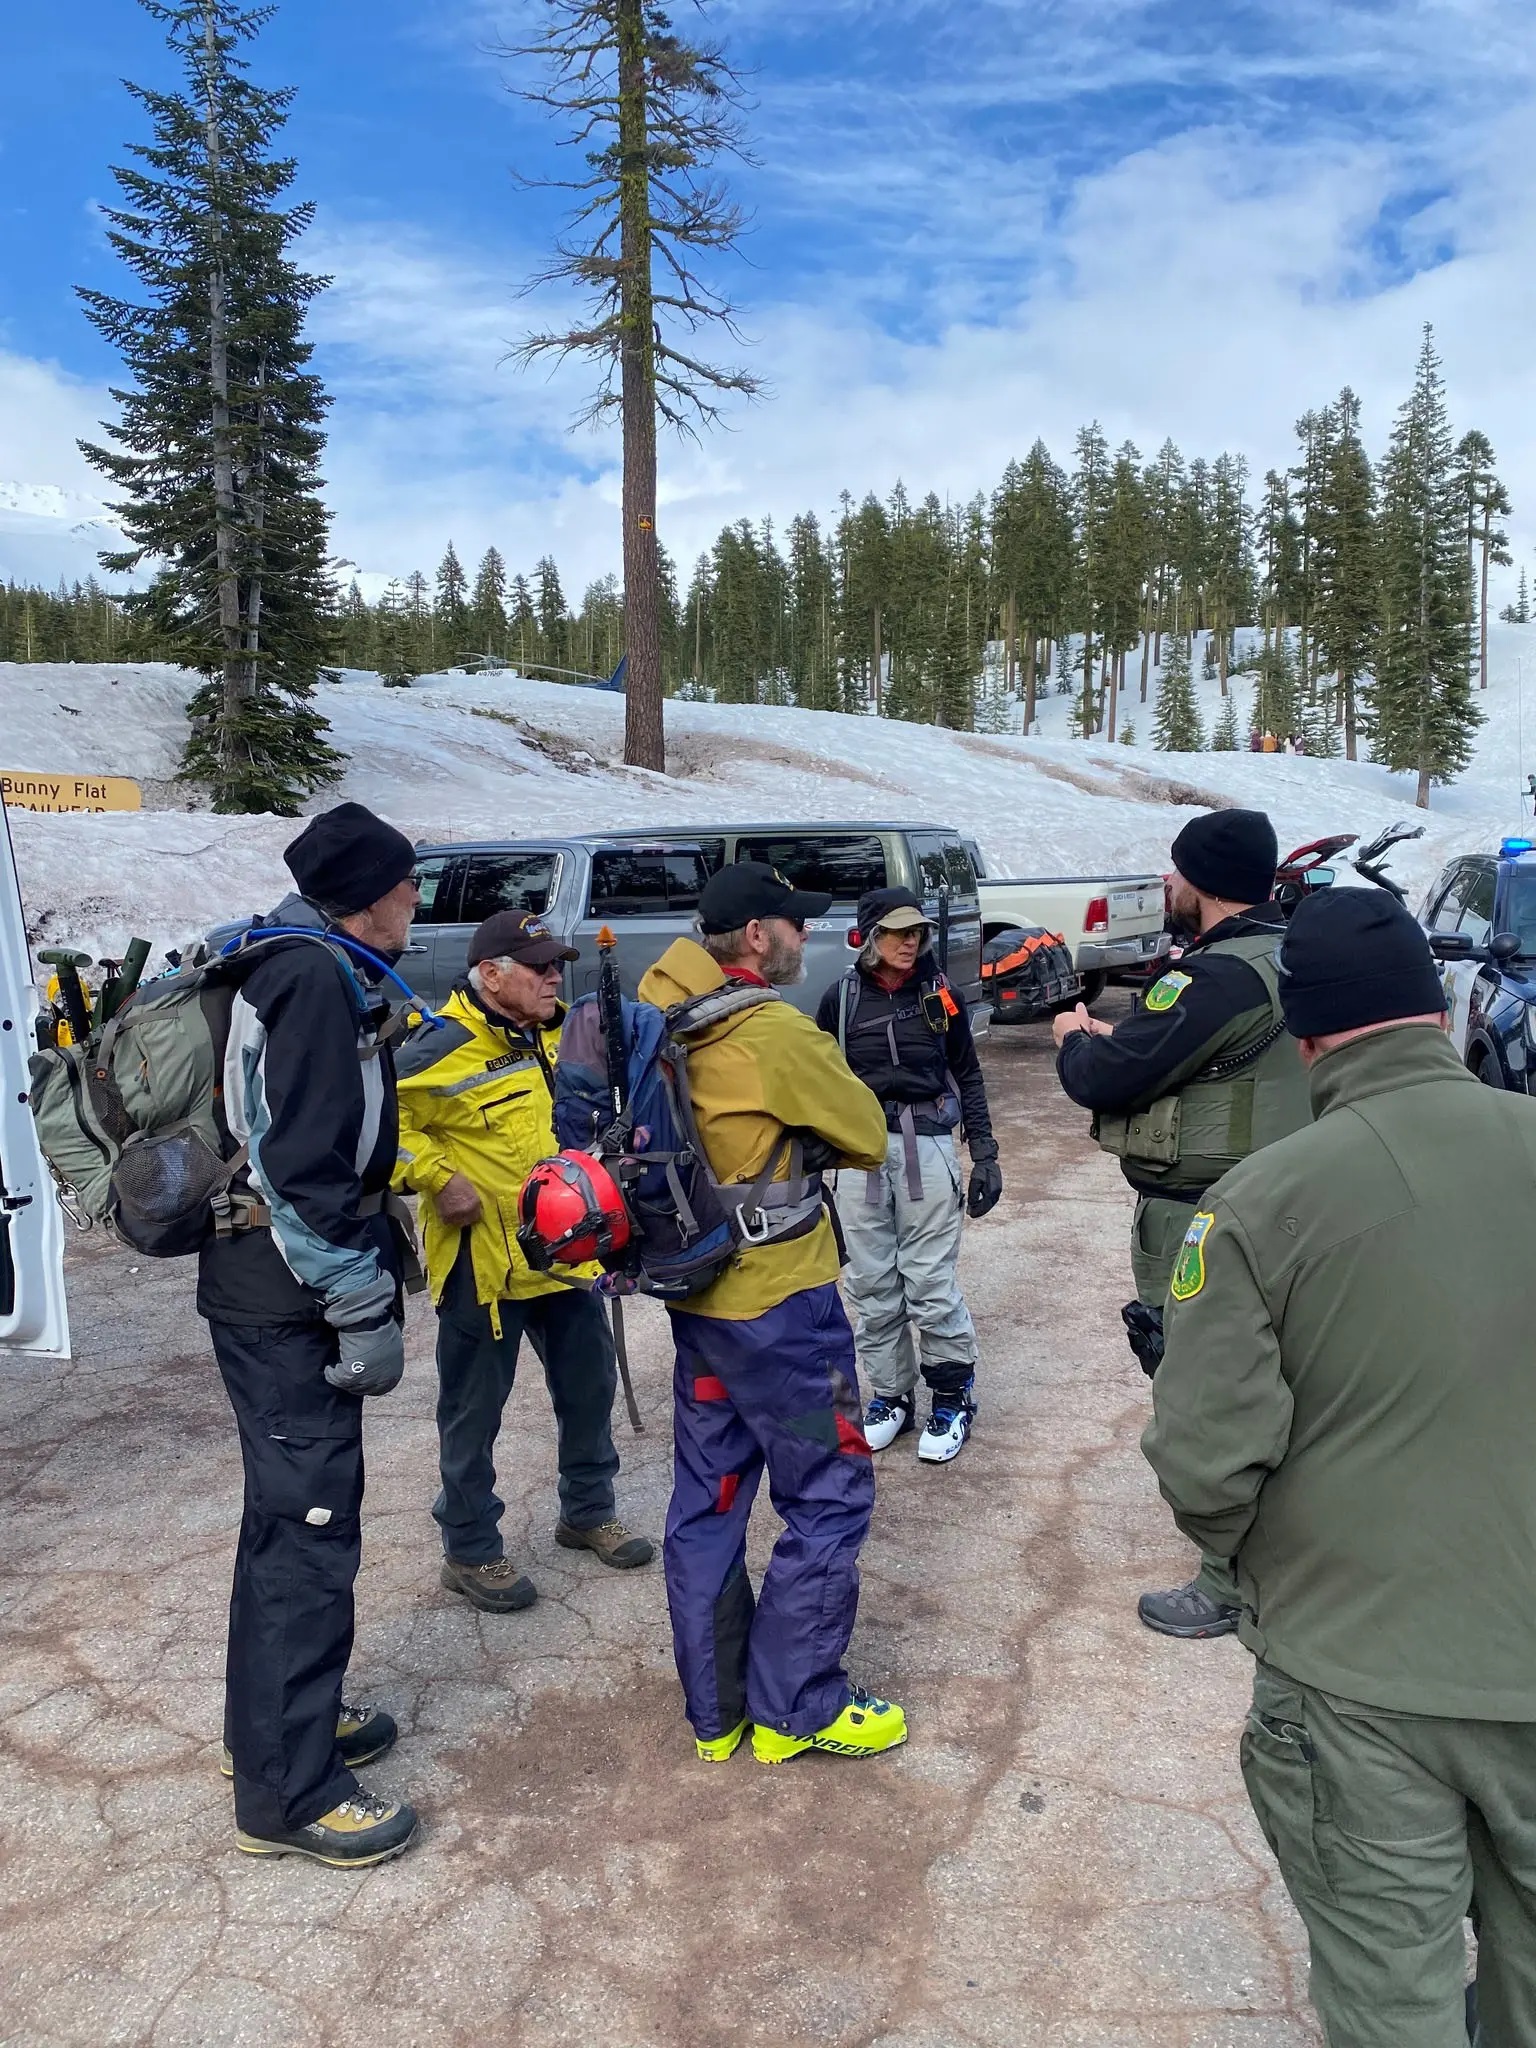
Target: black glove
1144,1334
986,1188
371,1360
817,1154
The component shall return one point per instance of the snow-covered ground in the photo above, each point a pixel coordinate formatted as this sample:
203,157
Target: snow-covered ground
470,757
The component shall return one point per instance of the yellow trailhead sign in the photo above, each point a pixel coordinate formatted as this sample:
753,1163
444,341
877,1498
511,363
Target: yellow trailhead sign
28,792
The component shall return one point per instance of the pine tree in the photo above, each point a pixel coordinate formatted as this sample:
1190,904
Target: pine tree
550,610
1320,726
1225,736
218,443
1276,696
1421,711
397,669
1208,668
1090,505
451,609
1177,728
522,624
1486,500
652,115
1345,599
487,621
1128,734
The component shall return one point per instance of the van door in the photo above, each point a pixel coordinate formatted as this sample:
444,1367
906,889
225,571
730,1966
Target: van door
647,896
513,878
34,1319
944,870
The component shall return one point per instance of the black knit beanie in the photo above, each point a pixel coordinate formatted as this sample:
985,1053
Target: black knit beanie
1229,854
347,858
1353,957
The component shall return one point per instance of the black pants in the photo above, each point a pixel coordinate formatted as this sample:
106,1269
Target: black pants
290,1611
569,1332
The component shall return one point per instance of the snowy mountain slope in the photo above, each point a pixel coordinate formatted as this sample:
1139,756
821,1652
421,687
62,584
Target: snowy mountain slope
461,757
47,532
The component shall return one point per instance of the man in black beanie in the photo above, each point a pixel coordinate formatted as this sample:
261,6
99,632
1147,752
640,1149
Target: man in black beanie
1199,1077
301,1289
1346,1410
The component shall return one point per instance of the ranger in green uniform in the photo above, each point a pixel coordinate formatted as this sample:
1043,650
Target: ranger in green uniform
1201,1076
1347,1409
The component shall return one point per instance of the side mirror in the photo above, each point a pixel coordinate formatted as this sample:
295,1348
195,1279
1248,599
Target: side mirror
1503,946
1450,946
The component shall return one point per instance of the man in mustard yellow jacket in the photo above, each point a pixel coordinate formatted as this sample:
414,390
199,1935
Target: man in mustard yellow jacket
475,1114
766,1377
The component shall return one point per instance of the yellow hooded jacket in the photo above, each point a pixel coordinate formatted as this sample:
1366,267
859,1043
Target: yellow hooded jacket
475,1099
752,1075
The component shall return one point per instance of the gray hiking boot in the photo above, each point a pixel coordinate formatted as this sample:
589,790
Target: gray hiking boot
495,1588
1186,1611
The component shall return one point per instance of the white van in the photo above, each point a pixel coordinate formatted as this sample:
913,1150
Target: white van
33,1318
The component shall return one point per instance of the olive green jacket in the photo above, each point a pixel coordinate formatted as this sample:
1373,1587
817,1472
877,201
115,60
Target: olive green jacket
1347,1404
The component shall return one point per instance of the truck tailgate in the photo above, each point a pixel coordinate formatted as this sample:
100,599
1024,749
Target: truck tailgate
1135,907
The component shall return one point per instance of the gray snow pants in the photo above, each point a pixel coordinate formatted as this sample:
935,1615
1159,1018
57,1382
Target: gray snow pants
903,1252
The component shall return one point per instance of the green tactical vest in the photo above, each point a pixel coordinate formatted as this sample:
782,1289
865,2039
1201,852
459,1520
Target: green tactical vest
1250,1094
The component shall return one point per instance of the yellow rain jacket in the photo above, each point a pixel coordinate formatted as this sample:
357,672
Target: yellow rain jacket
475,1099
752,1076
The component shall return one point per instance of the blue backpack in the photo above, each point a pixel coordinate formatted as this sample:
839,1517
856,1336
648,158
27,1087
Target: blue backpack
687,1226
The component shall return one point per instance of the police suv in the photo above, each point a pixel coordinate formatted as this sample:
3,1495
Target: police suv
1481,920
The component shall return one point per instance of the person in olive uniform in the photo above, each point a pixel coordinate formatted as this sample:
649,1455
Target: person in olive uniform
1202,1075
1346,1409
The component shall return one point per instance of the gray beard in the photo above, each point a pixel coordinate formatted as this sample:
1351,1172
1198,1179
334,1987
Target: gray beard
784,966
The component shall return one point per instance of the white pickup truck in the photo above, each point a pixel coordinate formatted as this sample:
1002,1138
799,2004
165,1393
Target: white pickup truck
1112,923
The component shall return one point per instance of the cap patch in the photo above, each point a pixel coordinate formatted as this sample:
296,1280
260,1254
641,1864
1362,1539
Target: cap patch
1189,1266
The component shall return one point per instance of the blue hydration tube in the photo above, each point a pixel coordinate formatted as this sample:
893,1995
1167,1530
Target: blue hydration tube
348,944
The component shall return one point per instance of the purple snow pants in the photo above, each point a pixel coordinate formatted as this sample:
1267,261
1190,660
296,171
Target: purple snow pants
780,1390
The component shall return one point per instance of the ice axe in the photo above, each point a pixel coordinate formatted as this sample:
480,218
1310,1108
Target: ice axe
610,1003
66,964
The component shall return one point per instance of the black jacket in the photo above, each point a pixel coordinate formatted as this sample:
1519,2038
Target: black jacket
321,1122
896,1052
1153,1052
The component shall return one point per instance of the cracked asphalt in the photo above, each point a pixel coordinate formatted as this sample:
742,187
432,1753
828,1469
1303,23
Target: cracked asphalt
1061,1857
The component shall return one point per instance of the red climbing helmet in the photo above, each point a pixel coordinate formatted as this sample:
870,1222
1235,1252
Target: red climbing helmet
570,1210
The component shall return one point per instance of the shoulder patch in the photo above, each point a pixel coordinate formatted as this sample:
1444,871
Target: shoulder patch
1163,994
1189,1266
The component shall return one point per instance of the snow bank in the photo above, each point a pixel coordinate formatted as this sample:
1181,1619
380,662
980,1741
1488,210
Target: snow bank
460,757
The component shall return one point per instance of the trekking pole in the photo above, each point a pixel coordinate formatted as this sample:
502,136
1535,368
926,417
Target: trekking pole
610,1003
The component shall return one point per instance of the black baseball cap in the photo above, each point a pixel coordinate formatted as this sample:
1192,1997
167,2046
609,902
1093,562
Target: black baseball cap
733,896
520,935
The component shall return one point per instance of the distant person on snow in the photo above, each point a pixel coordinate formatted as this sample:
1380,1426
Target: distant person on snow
908,1038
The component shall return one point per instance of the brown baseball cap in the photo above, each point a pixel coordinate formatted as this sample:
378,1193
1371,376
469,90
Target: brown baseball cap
520,935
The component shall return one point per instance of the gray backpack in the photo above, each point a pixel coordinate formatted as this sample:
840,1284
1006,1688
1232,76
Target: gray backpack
132,1125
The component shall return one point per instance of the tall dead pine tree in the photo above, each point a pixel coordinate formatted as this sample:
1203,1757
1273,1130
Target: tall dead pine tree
652,114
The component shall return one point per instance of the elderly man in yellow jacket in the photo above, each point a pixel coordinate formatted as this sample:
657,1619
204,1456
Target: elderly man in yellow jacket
766,1377
475,1113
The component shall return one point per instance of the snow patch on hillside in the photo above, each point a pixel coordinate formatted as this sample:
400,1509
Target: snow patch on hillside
460,757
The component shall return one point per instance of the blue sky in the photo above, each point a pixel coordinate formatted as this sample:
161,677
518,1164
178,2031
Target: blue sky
970,225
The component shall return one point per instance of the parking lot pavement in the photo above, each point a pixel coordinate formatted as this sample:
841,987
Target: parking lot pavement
1062,1856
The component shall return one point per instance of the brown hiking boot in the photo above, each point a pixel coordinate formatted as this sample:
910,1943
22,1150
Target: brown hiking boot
612,1542
495,1588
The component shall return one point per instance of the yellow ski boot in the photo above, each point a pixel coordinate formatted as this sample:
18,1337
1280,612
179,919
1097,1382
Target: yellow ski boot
864,1728
719,1749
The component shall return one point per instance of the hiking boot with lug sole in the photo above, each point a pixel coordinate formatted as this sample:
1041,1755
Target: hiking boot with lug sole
885,1419
362,1830
495,1588
610,1541
864,1728
363,1732
948,1426
719,1749
1186,1611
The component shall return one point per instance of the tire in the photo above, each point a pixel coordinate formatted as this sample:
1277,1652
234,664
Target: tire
1094,986
1486,1068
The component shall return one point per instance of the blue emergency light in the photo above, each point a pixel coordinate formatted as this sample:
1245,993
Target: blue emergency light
1511,847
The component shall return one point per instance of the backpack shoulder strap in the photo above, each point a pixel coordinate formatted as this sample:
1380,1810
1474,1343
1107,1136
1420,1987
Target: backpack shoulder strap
847,1004
687,1019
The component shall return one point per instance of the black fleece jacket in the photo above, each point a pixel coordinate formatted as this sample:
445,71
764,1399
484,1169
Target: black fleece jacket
926,1060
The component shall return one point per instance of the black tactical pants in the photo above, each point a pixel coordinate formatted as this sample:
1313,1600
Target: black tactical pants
290,1611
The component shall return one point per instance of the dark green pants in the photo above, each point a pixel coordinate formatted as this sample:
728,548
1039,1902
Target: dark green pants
1389,1830
1157,1231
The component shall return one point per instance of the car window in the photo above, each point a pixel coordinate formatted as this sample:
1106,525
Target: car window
1520,909
957,865
929,851
1477,916
842,865
505,881
626,884
1448,909
437,889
